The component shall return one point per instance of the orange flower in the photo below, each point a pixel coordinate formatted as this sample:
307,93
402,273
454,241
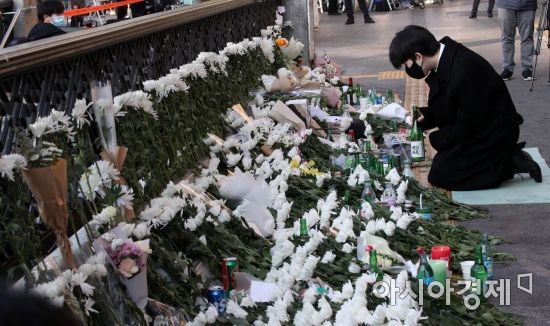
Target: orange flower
281,41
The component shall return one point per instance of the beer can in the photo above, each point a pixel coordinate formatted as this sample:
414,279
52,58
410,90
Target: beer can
229,267
216,297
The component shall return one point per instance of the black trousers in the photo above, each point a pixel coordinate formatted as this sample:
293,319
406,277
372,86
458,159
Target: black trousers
489,9
332,6
362,5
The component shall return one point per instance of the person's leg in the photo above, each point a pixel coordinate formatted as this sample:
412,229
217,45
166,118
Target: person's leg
490,8
365,9
349,11
508,23
332,7
526,26
475,5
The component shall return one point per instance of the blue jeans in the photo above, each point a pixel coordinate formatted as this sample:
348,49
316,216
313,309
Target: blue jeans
525,22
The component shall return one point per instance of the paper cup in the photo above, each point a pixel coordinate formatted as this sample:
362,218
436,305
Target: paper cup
466,266
363,102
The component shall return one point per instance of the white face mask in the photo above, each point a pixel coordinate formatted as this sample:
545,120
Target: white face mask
58,20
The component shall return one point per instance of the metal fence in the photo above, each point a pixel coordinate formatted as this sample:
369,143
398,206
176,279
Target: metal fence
53,73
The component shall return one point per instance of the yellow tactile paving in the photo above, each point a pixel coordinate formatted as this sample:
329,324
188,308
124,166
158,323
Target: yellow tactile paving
392,74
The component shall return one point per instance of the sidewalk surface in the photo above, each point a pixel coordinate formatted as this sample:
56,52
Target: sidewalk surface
362,49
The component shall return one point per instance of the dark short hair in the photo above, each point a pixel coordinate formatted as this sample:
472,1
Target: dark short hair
410,40
48,8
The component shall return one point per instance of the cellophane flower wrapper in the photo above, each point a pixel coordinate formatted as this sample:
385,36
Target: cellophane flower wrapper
117,159
49,187
136,286
104,113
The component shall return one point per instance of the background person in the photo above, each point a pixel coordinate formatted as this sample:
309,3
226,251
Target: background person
364,9
476,142
475,6
518,14
50,19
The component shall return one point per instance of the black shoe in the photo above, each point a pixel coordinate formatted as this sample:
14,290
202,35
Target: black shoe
506,74
473,15
368,20
490,14
350,21
527,74
524,163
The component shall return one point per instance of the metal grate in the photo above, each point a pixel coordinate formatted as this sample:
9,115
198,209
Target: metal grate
28,93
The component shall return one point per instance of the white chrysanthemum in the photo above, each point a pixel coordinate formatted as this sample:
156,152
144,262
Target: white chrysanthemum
354,268
389,229
393,176
138,100
104,217
267,47
233,159
402,192
80,112
90,184
347,248
126,197
328,257
42,126
234,309
194,69
11,162
88,306
166,85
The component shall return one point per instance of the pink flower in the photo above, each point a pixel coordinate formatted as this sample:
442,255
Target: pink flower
128,267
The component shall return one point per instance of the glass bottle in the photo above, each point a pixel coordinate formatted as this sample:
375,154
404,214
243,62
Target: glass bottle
303,228
417,139
373,264
390,96
389,196
347,197
478,275
407,171
487,252
425,271
368,193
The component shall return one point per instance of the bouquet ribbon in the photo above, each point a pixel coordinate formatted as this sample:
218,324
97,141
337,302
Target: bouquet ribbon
118,161
49,187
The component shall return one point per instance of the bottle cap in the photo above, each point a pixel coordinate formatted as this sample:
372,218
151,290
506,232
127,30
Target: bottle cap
420,250
369,248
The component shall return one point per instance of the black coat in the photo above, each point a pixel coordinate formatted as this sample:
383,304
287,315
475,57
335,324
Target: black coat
44,30
477,120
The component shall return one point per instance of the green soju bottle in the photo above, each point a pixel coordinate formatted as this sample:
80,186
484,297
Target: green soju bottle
478,275
417,139
425,271
487,252
303,228
347,197
373,264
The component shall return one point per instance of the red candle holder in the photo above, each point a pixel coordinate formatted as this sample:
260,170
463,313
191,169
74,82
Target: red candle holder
442,253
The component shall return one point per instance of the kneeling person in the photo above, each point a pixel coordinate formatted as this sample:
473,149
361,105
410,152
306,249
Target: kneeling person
478,126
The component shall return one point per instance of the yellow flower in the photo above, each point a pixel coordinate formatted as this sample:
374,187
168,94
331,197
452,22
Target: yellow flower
294,164
310,164
281,41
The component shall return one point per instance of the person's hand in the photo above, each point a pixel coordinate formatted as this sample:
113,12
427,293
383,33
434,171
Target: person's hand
421,117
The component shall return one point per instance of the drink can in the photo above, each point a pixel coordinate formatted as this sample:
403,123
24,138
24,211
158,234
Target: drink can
216,297
229,267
